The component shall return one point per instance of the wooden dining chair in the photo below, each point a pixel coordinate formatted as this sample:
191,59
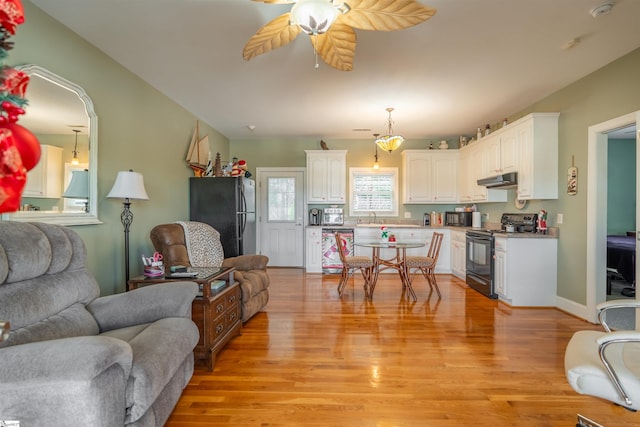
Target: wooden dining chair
426,264
351,264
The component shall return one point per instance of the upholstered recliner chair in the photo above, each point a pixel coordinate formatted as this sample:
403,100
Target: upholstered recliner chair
72,358
197,244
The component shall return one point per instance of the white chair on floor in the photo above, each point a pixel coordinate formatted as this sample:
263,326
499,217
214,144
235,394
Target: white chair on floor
606,364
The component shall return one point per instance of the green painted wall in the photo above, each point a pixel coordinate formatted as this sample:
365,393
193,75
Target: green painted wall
139,129
621,186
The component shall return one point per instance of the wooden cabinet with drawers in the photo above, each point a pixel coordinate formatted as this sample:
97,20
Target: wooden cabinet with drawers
215,312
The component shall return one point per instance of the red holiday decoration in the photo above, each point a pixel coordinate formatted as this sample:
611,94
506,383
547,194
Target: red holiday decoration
19,148
11,15
26,143
13,175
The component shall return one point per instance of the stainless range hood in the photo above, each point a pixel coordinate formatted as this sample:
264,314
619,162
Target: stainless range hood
507,180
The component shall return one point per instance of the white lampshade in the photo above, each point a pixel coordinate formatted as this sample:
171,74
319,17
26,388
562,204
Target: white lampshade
78,186
128,185
313,16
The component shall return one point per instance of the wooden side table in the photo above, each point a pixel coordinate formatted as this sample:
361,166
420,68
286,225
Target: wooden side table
216,313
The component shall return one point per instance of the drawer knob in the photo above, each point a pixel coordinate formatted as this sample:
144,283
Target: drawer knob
219,308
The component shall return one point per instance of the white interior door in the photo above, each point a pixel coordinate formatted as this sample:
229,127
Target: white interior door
280,215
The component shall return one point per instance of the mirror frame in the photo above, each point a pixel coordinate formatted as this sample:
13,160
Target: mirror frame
68,218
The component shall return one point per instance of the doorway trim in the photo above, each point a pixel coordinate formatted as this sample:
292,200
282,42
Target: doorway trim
597,218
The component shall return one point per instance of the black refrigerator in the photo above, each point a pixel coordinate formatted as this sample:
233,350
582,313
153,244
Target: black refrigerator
228,205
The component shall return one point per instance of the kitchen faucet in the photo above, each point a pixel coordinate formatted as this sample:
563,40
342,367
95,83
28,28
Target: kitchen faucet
375,218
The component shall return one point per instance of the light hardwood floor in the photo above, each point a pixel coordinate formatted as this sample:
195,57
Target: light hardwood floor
315,359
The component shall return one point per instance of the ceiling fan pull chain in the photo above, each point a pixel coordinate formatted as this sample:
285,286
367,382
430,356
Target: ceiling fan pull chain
315,51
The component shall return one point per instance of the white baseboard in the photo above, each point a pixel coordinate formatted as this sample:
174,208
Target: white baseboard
573,308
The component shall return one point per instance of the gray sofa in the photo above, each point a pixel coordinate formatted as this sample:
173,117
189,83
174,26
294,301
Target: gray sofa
73,358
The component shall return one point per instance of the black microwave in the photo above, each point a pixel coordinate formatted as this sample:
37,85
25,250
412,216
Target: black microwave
458,219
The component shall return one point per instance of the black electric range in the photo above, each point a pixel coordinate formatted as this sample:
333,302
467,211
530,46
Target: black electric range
521,222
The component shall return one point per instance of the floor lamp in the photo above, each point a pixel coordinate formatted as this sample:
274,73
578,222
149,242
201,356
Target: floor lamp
129,185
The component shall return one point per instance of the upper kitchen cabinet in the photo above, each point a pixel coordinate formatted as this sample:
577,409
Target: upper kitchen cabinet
502,152
537,139
45,179
326,176
429,176
473,166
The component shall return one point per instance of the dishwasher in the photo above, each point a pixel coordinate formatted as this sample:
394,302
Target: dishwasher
330,257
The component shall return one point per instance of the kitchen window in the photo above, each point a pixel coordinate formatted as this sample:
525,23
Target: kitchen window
373,191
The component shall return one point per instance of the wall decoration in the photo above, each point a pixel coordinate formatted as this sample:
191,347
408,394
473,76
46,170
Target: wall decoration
572,179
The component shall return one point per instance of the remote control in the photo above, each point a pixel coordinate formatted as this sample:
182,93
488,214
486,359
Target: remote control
183,274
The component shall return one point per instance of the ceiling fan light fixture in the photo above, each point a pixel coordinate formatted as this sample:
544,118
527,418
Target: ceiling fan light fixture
390,141
313,16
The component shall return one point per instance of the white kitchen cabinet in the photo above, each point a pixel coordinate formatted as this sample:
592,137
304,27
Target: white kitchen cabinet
465,193
500,268
45,179
525,271
459,253
326,176
502,152
429,176
537,139
475,163
313,245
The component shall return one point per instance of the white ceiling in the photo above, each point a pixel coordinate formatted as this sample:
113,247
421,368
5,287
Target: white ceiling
474,62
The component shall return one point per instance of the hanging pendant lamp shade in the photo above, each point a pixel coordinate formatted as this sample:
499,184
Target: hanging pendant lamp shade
390,141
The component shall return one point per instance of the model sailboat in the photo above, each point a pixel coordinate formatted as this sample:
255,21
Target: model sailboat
199,152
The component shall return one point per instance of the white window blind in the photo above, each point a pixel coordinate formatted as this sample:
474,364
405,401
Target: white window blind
373,191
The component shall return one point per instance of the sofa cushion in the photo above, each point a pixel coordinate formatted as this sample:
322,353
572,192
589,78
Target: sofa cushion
159,349
45,284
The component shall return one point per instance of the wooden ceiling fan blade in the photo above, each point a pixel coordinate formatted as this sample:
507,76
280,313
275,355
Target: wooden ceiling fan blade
385,15
337,46
273,35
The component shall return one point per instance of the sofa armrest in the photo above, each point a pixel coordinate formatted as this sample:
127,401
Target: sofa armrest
65,359
144,305
70,381
247,262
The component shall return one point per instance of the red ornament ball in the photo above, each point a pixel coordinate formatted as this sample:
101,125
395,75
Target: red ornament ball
27,144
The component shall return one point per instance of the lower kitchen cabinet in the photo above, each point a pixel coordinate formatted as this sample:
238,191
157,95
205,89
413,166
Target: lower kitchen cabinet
526,271
313,245
459,254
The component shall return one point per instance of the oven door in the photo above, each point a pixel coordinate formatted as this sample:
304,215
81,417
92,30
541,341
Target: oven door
480,270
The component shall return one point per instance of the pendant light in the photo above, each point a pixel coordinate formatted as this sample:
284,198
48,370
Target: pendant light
74,160
390,141
376,165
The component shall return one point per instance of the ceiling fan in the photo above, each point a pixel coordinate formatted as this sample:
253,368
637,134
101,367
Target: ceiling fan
330,25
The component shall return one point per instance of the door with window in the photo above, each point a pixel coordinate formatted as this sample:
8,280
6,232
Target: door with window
280,215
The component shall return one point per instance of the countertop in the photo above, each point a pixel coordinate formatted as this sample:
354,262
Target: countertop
552,232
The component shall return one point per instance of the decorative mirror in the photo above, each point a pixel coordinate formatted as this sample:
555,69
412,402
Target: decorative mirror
61,115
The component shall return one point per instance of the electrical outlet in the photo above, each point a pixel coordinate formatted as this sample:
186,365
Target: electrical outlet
407,214
485,216
559,219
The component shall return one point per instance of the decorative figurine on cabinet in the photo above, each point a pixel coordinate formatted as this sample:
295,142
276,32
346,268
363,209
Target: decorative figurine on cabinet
542,222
